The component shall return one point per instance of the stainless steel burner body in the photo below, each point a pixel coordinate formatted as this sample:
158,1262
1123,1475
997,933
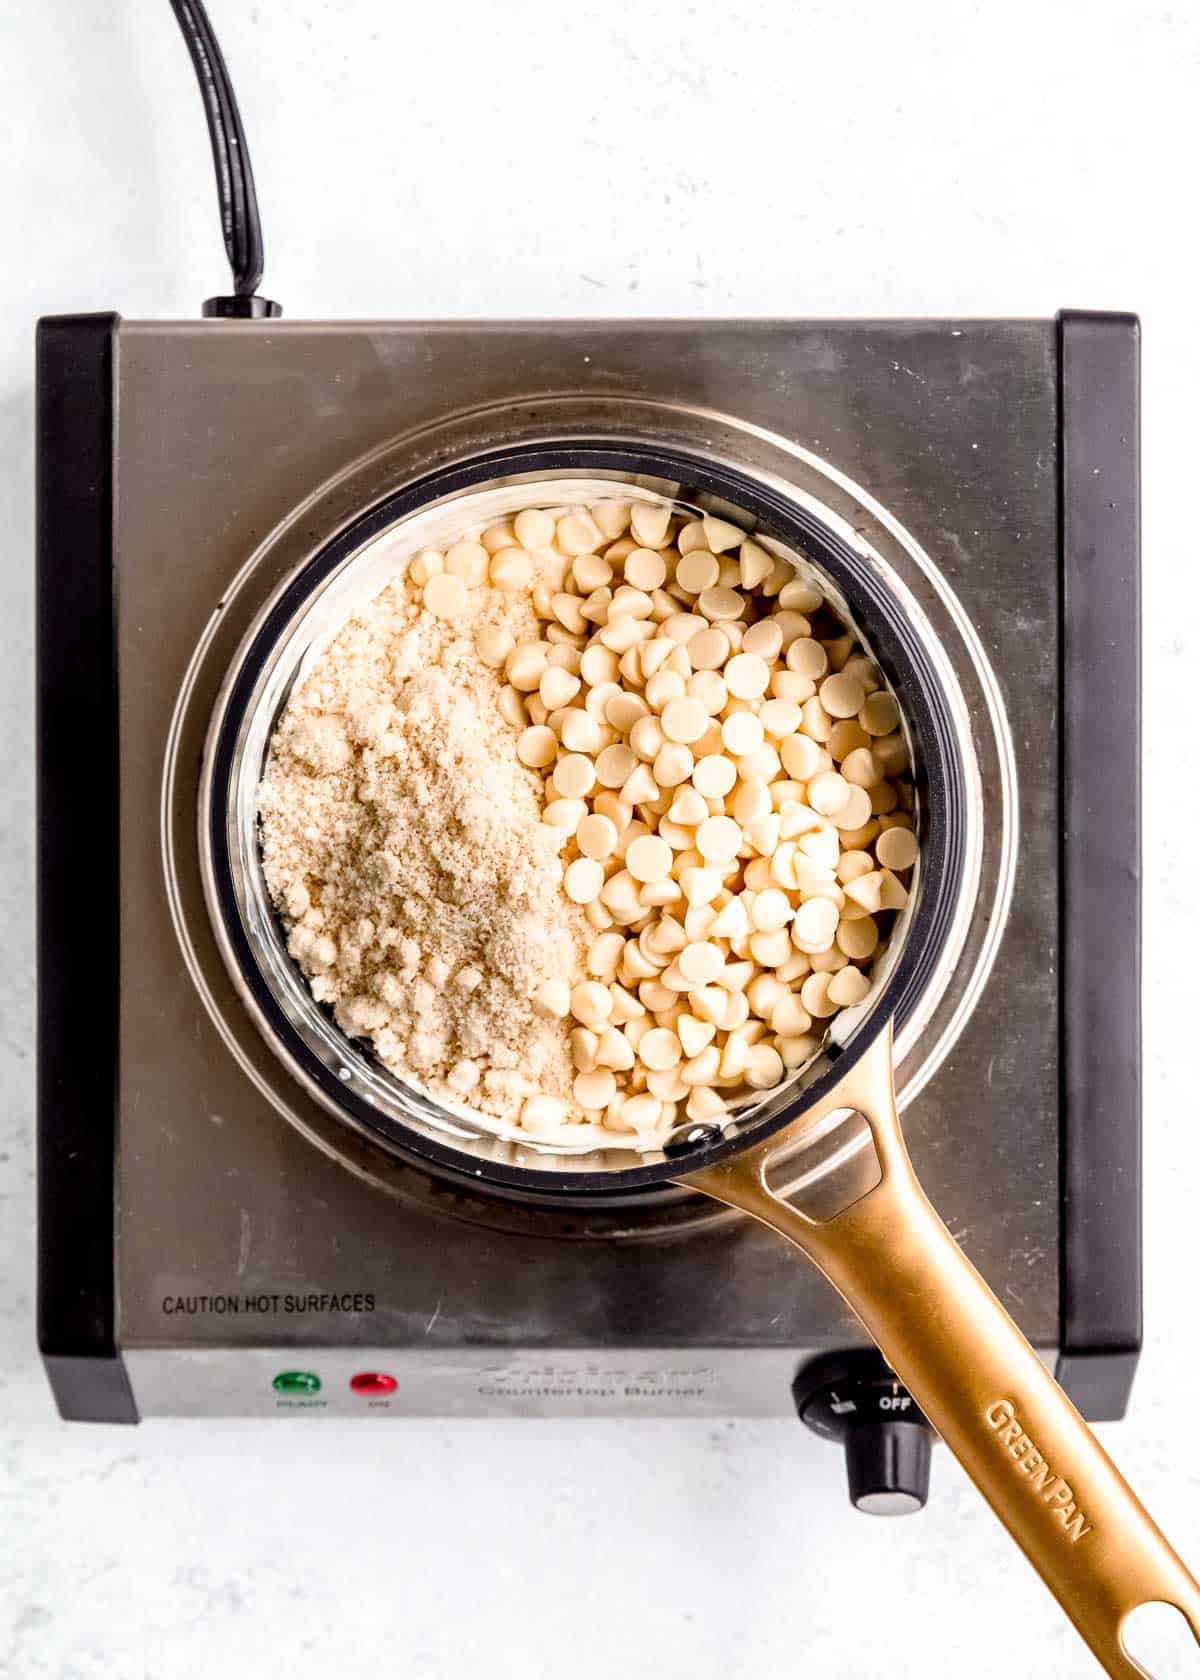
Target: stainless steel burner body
240,1248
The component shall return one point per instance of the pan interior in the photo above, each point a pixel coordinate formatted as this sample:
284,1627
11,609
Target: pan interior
291,635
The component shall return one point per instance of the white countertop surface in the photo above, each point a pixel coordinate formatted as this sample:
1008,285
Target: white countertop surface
594,159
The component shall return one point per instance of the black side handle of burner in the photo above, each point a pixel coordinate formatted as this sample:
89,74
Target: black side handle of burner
236,193
856,1399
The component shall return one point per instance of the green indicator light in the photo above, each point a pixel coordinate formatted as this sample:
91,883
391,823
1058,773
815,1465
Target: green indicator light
297,1382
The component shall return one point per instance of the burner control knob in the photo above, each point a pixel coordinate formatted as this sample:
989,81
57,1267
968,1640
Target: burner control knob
855,1399
887,1467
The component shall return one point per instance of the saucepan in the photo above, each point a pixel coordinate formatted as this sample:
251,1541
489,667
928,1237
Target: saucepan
861,1215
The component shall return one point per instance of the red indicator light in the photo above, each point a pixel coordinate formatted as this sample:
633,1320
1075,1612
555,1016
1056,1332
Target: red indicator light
372,1382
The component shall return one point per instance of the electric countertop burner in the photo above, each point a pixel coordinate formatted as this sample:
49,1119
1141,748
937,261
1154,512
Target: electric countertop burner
215,1238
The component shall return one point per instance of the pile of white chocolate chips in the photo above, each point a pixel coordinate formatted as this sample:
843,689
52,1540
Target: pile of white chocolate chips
591,821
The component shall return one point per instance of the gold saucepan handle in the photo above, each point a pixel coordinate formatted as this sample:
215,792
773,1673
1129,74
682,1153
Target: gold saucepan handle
974,1376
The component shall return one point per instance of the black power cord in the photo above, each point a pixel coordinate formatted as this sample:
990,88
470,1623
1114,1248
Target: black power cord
235,178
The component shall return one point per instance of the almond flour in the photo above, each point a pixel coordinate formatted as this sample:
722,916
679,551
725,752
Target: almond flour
403,845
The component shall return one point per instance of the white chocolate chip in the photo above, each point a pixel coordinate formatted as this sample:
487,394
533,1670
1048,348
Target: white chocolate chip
747,676
771,949
612,518
684,720
814,995
807,658
688,807
659,1048
542,1115
718,839
880,714
714,776
771,910
615,1049
752,802
720,534
893,895
641,1113
815,924
524,666
578,533
673,764
842,696
574,776
766,1067
552,1000
598,665
861,767
640,787
591,1003
800,595
697,571
583,880
511,570
557,687
646,738
719,603
648,858
537,747
425,565
645,569
828,792
650,522
855,809
896,848
702,1069
614,765
595,1089
700,886
580,733
596,836
604,956
701,963
708,650
849,986
498,536
754,565
534,528
801,756
585,1046
468,561
866,890
742,733
445,596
